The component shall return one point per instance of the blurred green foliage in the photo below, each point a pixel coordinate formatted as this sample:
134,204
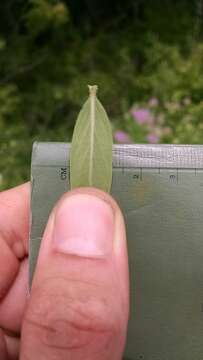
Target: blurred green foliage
144,55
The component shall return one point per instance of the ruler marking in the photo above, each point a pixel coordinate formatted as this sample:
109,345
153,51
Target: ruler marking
125,167
155,168
140,174
51,166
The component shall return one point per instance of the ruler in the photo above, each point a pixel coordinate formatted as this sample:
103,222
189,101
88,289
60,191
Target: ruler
160,191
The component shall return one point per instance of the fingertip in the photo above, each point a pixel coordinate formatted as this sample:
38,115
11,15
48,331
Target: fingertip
94,192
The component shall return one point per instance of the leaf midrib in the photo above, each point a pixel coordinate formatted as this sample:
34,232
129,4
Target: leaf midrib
92,131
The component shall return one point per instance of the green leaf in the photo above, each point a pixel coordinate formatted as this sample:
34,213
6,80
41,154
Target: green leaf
91,148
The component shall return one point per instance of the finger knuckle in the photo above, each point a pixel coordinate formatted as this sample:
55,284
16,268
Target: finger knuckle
79,316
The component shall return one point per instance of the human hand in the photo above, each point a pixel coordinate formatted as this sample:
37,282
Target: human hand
79,301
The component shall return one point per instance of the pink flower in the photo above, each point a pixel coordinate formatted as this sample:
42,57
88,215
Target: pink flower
153,101
122,137
142,116
153,138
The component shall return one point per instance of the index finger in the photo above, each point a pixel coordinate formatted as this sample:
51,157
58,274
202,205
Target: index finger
14,218
14,231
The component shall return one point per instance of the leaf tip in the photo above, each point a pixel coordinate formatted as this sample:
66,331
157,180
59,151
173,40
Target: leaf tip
93,90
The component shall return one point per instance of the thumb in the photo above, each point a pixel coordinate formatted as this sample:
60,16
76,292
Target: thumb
78,307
